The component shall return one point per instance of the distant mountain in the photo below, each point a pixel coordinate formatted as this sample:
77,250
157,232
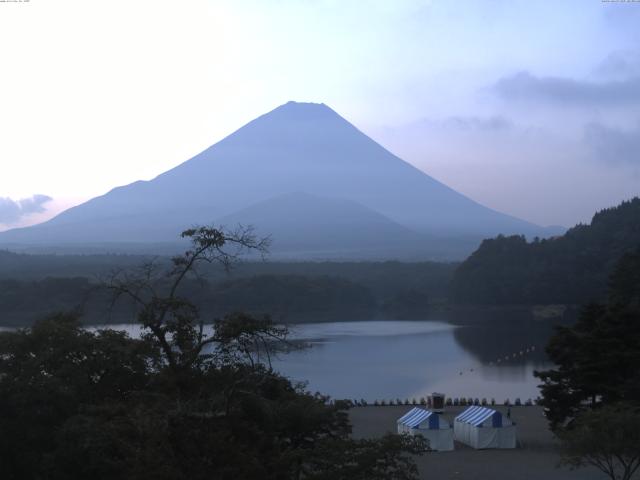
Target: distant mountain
569,269
307,225
298,147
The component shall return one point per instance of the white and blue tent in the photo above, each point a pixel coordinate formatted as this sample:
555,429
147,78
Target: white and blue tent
430,425
481,427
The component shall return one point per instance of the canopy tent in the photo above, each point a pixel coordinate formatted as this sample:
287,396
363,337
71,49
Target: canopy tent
481,427
430,425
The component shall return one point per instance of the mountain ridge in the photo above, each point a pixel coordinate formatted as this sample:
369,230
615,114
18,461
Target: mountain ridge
303,147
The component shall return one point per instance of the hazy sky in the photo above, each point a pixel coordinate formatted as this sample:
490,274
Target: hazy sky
529,107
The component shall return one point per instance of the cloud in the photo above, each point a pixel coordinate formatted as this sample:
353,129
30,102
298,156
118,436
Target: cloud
620,64
466,124
613,146
484,124
11,211
524,86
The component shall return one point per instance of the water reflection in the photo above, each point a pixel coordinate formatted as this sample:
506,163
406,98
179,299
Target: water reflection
393,359
504,342
410,359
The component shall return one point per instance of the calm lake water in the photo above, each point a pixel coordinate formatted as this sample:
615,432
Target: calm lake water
402,359
407,359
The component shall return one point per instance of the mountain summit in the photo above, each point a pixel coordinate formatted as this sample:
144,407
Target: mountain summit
298,147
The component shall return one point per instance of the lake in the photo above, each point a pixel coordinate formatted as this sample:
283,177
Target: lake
378,360
393,359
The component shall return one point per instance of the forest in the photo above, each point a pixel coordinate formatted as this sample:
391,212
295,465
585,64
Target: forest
176,403
569,269
31,286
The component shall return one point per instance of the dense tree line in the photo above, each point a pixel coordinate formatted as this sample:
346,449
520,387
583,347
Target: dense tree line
287,298
28,266
176,403
571,269
598,358
382,278
592,395
23,302
293,297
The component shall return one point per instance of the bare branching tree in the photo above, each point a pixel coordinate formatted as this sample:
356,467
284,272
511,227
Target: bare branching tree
243,338
171,321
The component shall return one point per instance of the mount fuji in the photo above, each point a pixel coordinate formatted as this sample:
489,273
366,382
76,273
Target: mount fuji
301,173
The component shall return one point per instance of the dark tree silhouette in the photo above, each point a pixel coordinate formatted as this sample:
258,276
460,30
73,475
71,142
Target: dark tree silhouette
598,359
592,397
178,403
173,322
607,439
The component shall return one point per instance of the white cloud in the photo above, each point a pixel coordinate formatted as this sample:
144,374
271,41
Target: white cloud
12,211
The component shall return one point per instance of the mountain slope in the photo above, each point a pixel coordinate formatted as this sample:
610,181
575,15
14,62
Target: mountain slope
570,269
308,225
296,147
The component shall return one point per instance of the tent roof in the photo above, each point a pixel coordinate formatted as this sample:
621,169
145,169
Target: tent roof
415,417
475,415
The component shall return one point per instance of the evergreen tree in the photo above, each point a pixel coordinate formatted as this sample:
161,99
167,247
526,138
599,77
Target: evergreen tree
598,359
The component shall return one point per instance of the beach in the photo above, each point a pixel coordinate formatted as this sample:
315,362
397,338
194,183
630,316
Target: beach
535,458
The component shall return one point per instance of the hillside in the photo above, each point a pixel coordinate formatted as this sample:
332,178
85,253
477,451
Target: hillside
570,269
32,286
325,227
298,147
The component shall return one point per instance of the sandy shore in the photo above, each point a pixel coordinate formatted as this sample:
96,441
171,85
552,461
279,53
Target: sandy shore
535,458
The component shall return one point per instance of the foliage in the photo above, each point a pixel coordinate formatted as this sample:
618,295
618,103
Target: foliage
407,305
288,292
48,373
22,301
292,296
607,438
571,269
285,297
179,403
598,359
383,279
367,459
